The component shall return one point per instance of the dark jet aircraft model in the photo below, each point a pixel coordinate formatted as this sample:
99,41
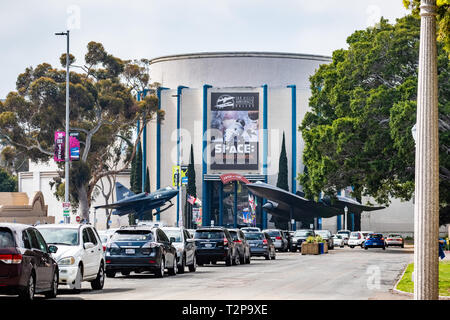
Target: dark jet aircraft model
140,204
286,205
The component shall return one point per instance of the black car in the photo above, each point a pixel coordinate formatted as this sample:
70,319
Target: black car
299,237
261,245
241,244
140,248
215,244
26,265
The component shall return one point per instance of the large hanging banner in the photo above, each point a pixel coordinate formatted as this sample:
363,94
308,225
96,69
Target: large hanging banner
59,154
234,130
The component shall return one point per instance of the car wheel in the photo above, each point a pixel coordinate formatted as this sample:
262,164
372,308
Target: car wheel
78,280
193,266
183,264
54,289
213,262
173,270
366,248
160,272
110,274
99,282
28,292
228,261
352,247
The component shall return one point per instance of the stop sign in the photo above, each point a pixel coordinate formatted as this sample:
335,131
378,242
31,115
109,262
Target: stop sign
78,219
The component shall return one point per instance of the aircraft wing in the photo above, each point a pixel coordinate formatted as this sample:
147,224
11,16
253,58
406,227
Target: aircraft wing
121,204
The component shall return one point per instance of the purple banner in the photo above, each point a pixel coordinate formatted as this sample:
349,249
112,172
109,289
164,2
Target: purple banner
59,145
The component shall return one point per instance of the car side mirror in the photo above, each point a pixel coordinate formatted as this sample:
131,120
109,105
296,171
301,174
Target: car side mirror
52,249
89,245
172,239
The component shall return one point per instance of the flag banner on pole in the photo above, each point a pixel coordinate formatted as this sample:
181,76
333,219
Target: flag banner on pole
59,146
74,145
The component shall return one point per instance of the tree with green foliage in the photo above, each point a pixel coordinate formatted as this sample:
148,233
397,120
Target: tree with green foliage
136,183
282,181
102,108
8,182
363,106
191,188
443,19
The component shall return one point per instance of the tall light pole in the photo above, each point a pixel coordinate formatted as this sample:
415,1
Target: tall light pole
426,206
345,217
66,151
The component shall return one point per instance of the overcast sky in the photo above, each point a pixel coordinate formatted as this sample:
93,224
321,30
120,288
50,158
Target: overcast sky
151,28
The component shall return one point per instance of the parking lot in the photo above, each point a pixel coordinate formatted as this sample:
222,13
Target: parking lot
343,273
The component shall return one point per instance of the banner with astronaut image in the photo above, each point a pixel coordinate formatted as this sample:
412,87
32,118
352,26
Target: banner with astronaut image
234,130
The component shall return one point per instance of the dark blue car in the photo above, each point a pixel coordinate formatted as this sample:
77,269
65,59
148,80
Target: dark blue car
375,240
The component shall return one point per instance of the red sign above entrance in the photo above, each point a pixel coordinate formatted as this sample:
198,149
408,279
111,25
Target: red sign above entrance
230,177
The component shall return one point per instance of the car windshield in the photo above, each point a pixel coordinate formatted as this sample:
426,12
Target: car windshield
354,235
207,234
322,233
375,236
344,232
6,239
395,236
303,233
254,236
337,236
132,235
273,233
65,236
250,229
173,234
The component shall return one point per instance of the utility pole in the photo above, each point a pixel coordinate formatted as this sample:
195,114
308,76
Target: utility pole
66,152
426,207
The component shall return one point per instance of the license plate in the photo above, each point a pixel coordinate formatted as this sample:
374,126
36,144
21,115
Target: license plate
130,251
252,244
208,245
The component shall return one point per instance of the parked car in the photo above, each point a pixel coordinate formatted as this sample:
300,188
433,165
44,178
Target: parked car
261,245
251,229
185,246
356,239
26,264
138,249
79,247
375,240
105,236
80,254
241,244
345,235
395,239
215,244
338,240
327,236
299,237
281,243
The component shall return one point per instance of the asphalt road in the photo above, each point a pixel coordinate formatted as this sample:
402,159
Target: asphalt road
341,274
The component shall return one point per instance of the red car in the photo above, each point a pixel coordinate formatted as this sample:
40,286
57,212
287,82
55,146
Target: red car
26,265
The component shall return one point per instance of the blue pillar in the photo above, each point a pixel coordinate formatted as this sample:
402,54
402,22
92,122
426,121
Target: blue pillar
339,222
206,214
294,138
352,221
319,224
158,147
235,204
265,148
220,203
179,92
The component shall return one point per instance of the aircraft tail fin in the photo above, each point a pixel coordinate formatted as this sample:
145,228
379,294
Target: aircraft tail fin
122,192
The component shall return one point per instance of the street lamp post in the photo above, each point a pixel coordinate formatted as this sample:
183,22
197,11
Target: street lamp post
66,151
426,205
345,217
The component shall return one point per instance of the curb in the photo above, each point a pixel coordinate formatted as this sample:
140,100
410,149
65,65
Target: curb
394,289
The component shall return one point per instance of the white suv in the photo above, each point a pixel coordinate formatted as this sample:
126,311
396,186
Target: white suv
80,255
357,238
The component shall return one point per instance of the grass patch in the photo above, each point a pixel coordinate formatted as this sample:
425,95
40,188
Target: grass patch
406,284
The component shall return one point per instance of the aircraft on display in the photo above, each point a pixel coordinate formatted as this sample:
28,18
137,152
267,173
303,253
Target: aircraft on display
142,203
287,205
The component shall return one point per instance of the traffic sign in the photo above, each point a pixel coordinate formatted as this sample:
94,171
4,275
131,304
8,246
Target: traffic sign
78,219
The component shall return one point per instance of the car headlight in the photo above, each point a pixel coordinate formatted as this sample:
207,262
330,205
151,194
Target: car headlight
66,261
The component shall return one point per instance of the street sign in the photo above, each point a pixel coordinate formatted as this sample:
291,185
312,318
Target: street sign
66,209
78,219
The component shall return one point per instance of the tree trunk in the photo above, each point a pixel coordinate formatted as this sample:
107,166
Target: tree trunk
84,203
